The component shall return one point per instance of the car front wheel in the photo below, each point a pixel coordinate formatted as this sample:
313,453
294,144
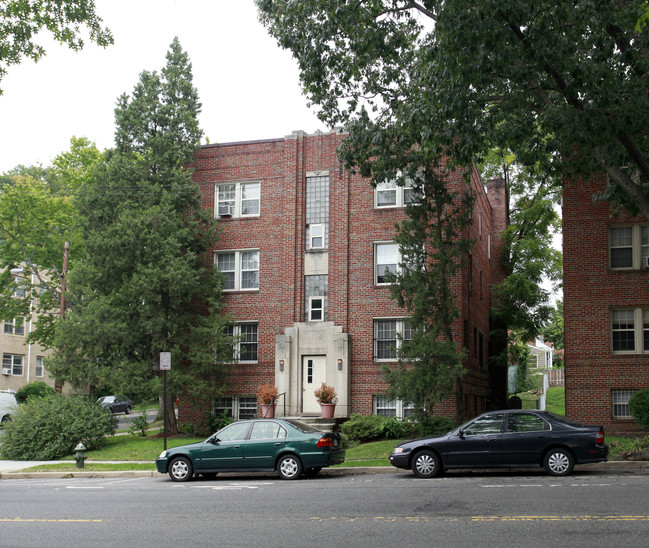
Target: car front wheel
289,467
181,469
558,462
127,410
426,464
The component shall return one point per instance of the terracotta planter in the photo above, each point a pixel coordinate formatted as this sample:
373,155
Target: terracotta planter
267,410
327,410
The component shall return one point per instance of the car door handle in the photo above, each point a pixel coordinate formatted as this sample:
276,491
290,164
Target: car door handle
278,444
236,446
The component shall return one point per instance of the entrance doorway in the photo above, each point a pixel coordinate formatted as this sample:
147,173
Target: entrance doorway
313,375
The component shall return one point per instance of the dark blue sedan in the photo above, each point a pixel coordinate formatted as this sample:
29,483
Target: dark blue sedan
506,439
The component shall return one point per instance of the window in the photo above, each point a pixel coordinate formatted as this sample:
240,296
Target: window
526,422
629,247
237,200
246,343
317,212
390,194
266,431
386,407
316,236
387,259
15,326
630,330
241,269
39,366
316,300
12,363
621,404
236,407
491,424
316,309
389,336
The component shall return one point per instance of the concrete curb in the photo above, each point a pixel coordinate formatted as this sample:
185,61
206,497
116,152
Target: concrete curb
641,467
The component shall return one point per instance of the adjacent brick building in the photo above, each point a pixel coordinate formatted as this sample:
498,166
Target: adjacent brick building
606,307
304,245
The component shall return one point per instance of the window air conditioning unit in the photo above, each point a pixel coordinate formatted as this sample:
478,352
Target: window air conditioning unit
6,371
226,210
645,262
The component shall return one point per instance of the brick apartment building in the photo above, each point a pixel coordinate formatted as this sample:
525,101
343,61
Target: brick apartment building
606,307
304,244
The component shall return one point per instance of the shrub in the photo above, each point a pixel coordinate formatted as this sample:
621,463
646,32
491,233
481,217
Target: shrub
50,428
363,427
639,407
395,429
325,394
433,426
36,389
139,425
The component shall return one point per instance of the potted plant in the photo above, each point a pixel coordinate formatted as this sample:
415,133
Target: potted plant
267,394
326,397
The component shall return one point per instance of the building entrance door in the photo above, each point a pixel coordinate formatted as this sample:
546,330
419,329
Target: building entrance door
313,375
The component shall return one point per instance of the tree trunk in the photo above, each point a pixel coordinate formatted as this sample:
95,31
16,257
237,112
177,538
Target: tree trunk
171,424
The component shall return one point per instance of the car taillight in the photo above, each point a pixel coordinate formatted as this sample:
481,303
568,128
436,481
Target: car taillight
600,438
325,442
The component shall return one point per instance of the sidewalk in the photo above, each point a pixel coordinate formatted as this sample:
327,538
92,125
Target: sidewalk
12,470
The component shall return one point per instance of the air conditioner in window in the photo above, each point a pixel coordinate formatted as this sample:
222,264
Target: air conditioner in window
645,262
226,210
6,371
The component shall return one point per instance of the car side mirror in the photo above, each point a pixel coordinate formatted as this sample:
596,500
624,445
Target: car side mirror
213,440
460,433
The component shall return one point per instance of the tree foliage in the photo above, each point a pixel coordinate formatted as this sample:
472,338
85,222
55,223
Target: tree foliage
22,20
145,284
37,217
562,83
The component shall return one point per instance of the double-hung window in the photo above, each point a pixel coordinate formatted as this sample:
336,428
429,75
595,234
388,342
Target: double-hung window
246,341
629,247
630,330
240,268
12,364
241,199
387,259
389,337
40,369
14,327
386,407
390,194
621,403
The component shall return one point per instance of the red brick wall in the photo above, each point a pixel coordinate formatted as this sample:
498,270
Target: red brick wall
591,290
354,301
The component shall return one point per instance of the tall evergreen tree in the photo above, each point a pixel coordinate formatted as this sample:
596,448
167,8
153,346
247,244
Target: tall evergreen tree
145,284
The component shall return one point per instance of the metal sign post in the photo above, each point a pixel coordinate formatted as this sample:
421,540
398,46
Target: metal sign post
165,365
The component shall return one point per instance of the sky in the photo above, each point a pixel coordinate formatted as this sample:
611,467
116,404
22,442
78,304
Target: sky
248,85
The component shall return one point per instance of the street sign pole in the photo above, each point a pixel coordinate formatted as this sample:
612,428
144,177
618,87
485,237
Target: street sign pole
165,365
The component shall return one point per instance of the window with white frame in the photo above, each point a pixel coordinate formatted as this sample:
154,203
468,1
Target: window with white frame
387,259
240,268
246,345
389,337
316,309
386,407
14,327
240,199
236,407
316,235
390,194
621,404
630,330
629,247
12,364
40,369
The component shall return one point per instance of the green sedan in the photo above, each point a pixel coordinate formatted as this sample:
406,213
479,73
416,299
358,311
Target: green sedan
286,446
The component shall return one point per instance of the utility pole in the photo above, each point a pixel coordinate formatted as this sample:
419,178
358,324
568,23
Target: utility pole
66,253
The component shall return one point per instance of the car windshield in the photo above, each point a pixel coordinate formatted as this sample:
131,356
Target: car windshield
302,427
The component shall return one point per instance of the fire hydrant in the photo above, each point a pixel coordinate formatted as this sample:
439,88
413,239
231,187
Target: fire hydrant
80,455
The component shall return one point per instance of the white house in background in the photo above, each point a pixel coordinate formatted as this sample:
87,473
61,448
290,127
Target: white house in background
541,355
